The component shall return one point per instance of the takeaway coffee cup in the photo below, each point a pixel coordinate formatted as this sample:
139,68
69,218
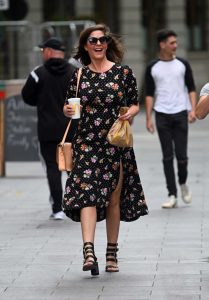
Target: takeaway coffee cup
75,102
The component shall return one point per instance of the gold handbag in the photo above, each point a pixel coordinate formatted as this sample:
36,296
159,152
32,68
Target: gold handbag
64,151
120,134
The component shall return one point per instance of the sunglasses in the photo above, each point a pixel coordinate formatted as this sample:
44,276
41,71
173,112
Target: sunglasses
103,40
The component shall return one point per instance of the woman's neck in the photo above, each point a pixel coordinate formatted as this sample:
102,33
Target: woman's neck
100,66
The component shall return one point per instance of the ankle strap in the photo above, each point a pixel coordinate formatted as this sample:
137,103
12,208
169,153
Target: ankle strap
88,247
88,243
112,244
112,249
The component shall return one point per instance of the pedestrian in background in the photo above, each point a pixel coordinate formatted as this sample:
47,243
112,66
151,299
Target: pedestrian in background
202,108
46,88
104,183
170,89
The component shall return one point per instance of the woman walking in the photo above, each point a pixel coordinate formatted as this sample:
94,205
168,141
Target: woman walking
104,183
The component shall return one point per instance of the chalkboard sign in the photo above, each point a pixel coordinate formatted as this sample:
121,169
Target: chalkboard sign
21,142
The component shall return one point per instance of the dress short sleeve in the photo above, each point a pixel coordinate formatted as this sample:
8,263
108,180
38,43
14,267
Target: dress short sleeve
130,84
71,91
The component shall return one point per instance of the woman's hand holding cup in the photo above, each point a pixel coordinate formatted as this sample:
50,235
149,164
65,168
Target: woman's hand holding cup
72,109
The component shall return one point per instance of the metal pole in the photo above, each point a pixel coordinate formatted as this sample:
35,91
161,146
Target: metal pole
2,161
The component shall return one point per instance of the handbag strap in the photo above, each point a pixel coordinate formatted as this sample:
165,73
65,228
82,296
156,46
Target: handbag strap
78,80
66,132
68,126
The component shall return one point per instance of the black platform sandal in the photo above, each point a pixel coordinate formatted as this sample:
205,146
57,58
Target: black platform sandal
111,255
90,261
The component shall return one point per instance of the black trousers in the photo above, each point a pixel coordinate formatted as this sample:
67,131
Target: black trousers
173,134
54,176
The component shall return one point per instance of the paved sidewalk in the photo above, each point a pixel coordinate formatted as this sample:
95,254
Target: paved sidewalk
163,256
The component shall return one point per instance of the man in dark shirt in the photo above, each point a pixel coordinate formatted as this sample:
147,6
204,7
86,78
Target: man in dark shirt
169,81
46,88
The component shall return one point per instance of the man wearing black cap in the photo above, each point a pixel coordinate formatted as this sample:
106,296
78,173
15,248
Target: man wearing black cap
46,88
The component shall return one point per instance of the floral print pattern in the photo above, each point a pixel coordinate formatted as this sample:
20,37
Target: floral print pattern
97,163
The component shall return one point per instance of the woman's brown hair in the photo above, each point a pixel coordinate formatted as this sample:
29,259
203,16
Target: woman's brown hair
115,50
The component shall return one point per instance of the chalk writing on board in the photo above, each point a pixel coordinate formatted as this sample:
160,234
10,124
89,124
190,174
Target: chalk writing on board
21,142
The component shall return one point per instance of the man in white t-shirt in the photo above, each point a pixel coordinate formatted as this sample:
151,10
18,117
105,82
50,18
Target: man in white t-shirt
202,108
170,90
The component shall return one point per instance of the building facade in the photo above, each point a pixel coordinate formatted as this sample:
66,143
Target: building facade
137,21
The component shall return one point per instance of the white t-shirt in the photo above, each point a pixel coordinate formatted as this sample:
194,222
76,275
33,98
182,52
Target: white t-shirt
170,82
205,90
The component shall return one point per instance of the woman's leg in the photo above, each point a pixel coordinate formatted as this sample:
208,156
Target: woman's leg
88,223
113,212
113,216
88,226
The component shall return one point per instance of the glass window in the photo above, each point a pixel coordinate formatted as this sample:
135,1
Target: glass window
196,14
153,19
54,10
107,11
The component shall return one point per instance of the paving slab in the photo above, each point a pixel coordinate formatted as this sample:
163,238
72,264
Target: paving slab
163,256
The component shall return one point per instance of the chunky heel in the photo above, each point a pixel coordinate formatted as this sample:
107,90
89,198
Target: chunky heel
111,256
90,261
95,271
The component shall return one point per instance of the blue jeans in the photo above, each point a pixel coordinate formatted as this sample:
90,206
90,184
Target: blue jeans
173,134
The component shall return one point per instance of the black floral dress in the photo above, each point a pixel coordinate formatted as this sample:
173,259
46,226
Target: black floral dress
96,162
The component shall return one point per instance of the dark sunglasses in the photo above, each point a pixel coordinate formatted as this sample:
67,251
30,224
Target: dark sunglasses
103,40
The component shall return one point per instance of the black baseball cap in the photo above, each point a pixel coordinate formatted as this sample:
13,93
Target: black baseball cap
53,43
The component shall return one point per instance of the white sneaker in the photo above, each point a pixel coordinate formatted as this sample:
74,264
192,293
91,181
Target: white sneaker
57,216
170,203
185,194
